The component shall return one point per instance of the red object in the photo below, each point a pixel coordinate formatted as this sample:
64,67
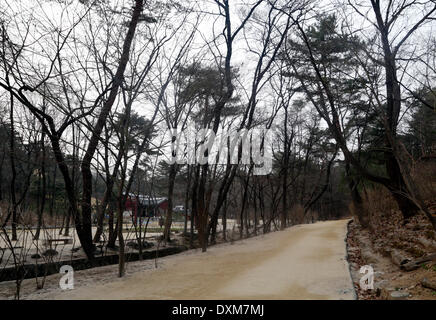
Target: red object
132,205
147,205
163,205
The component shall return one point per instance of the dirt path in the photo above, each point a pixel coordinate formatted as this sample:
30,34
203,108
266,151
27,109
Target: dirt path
302,262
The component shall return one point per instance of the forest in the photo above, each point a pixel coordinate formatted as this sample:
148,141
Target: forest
92,91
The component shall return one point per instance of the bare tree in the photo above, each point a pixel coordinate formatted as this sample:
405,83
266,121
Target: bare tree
11,56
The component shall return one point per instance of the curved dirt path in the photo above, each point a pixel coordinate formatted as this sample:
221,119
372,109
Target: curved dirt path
302,262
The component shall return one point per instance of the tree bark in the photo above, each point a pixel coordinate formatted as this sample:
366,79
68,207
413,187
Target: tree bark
398,186
357,201
14,173
43,196
168,220
85,231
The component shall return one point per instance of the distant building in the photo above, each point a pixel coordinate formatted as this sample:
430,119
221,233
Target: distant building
179,209
146,206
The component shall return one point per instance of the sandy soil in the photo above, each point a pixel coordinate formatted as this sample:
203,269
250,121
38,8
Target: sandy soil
302,262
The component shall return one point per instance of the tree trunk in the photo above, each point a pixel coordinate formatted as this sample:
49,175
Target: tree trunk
85,231
398,188
222,196
224,221
194,206
1,170
202,215
122,262
107,195
44,190
188,188
113,231
168,220
357,201
67,222
14,173
244,201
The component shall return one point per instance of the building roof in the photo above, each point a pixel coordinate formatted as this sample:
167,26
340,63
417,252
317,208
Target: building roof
147,200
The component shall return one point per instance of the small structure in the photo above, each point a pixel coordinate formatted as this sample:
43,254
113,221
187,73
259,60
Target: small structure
146,206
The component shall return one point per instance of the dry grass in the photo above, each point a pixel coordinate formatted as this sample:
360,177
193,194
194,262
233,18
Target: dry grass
424,174
387,228
297,214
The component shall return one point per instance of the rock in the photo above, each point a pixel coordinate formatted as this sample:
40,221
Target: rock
378,292
354,266
410,226
420,226
428,284
381,284
147,244
385,293
416,264
427,243
399,295
385,252
398,258
187,235
98,249
368,256
135,245
50,253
